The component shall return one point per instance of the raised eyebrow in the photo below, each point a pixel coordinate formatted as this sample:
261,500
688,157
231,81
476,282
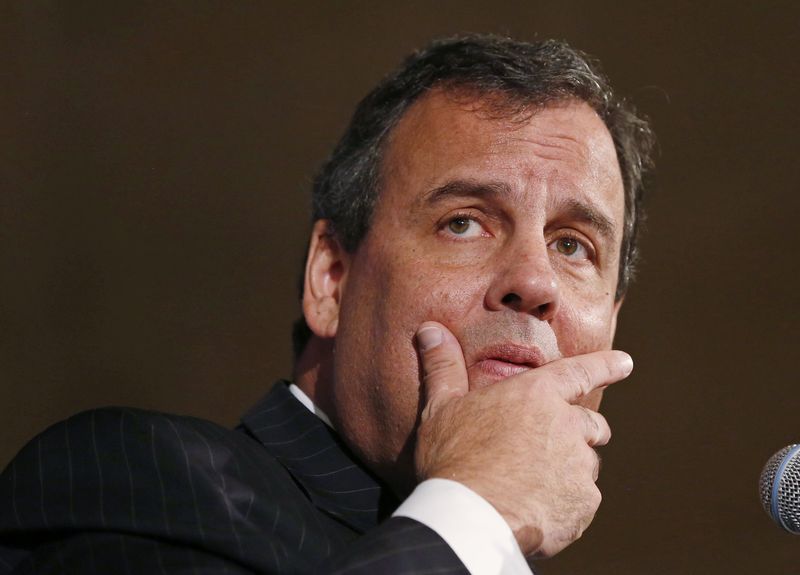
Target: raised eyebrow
584,212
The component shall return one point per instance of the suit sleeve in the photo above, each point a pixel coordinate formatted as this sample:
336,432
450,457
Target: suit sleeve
399,545
126,491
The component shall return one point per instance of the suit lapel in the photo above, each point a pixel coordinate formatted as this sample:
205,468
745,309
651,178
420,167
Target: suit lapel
323,466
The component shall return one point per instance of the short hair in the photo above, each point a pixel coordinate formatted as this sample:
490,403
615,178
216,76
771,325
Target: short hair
521,76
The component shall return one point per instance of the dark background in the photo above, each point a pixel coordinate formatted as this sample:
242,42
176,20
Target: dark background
155,161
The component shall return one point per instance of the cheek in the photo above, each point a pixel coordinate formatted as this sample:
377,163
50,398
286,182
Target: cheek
586,328
449,302
390,297
419,290
587,331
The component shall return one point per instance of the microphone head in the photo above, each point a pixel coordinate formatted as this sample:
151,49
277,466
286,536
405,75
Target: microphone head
780,488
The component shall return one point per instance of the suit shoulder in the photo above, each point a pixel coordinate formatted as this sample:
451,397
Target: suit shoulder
126,437
111,433
131,420
122,457
163,477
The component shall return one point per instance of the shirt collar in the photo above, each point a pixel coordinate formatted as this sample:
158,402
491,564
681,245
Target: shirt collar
334,479
305,400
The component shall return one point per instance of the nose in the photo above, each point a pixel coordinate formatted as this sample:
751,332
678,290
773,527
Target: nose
526,282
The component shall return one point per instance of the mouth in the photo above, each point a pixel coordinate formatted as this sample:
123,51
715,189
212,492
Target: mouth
504,361
501,369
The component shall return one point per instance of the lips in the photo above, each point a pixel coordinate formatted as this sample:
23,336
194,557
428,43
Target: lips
501,369
506,360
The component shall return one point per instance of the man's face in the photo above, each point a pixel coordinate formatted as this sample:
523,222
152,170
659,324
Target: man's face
507,231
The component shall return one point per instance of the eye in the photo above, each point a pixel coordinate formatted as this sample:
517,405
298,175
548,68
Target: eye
465,227
570,247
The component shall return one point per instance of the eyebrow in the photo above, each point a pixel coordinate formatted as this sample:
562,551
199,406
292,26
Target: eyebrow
585,212
572,209
466,188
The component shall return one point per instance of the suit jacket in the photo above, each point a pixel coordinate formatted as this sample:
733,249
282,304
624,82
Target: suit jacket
120,490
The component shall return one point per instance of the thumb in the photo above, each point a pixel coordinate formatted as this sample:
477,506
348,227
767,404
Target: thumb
443,369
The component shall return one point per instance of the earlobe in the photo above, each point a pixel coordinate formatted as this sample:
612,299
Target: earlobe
325,274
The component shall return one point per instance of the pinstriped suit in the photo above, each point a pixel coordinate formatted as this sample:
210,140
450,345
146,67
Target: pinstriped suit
120,490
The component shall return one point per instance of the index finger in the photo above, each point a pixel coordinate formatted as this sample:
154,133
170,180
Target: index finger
574,377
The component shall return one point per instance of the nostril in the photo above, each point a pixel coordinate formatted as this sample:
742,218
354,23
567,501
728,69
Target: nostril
544,310
514,301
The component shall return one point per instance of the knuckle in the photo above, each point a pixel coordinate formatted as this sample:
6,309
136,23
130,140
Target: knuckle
582,376
562,377
439,363
586,421
596,468
577,418
574,376
427,413
594,498
602,426
590,459
611,366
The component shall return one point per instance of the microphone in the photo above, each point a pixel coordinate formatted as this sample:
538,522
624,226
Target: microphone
780,488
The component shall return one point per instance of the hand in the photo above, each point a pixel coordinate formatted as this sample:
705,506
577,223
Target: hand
524,444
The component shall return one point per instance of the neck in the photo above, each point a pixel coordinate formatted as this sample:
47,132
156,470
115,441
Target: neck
313,372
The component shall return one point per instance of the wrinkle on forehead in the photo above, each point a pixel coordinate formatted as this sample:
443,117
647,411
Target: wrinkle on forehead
557,147
441,138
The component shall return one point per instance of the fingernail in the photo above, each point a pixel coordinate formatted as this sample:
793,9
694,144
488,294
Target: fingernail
627,365
429,337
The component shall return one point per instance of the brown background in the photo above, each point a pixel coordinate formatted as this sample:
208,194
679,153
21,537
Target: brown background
155,161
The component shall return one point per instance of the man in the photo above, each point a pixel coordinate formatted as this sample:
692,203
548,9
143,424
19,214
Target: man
473,238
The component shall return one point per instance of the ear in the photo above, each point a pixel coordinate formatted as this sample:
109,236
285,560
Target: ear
326,271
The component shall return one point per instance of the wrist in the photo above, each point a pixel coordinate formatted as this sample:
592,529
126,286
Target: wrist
528,533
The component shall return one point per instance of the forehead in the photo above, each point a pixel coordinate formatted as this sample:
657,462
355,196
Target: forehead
564,147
